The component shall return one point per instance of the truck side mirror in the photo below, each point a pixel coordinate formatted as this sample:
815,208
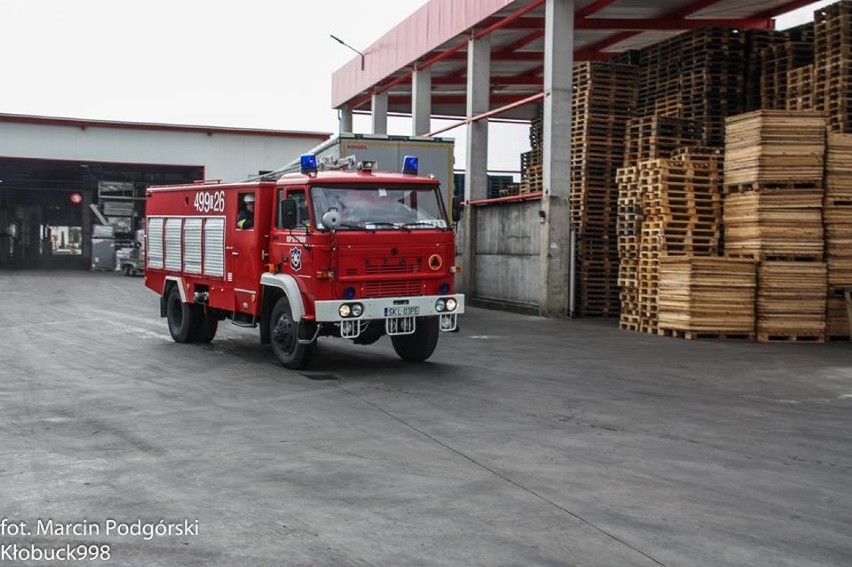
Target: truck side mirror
457,210
287,213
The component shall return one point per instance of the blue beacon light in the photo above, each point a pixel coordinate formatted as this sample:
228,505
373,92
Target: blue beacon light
409,165
308,163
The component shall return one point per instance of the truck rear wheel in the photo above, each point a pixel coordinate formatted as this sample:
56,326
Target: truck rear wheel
284,332
419,345
184,319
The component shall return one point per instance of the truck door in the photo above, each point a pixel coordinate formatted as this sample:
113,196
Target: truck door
243,251
287,249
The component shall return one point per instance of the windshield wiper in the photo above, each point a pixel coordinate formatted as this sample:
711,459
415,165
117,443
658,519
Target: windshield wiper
430,224
350,225
390,224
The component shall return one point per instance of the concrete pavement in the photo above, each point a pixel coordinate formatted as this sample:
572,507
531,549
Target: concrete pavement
524,441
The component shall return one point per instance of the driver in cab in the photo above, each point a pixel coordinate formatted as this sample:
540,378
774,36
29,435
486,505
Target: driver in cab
245,219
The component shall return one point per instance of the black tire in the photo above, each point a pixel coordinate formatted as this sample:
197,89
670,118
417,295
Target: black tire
419,345
207,329
284,335
184,319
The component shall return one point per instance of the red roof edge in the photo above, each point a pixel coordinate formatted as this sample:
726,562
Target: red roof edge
83,124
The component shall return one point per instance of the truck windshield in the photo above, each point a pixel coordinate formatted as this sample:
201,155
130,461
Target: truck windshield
391,207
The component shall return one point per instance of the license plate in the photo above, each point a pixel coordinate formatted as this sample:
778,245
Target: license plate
403,311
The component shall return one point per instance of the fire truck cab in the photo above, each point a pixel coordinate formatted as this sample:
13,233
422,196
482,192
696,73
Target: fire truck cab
335,250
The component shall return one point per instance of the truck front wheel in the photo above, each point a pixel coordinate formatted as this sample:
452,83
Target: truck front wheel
284,335
184,319
207,328
419,345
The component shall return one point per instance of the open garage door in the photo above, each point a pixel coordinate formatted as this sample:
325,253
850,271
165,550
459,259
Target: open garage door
45,215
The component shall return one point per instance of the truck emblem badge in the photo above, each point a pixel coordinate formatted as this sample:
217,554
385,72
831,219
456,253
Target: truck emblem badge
435,262
296,259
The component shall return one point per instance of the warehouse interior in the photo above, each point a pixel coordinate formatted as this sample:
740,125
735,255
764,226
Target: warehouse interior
673,145
44,206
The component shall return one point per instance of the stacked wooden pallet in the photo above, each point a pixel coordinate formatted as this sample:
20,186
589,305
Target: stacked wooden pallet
800,88
682,198
756,42
630,217
777,63
697,75
531,169
837,214
680,215
774,165
654,137
775,148
833,64
791,301
604,97
707,297
597,275
774,225
837,217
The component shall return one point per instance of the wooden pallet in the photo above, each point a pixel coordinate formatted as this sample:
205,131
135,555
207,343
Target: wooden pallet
777,63
705,295
775,146
782,224
791,299
800,89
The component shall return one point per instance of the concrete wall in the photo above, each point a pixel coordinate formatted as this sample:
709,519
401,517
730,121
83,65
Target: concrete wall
507,245
227,156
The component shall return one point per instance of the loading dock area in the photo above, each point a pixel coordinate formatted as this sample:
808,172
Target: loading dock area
613,449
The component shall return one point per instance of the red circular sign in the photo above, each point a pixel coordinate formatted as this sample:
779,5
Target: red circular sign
76,198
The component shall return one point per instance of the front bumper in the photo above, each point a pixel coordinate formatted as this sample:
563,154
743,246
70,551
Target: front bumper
387,308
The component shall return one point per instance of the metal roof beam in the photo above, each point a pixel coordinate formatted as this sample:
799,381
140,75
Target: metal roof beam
458,79
517,24
595,51
459,99
673,24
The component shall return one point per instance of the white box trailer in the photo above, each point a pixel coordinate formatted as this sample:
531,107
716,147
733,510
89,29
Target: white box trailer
434,155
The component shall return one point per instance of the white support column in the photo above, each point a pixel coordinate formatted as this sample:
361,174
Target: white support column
556,277
421,102
476,176
380,113
344,114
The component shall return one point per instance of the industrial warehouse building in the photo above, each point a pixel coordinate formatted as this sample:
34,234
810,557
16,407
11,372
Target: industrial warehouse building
52,170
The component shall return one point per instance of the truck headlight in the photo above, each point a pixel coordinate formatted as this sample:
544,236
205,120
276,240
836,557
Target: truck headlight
452,304
347,310
440,305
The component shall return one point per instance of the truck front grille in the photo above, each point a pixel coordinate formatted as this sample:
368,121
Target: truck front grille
408,268
393,288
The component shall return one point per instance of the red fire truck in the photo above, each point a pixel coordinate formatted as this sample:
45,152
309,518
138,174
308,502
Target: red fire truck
334,250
